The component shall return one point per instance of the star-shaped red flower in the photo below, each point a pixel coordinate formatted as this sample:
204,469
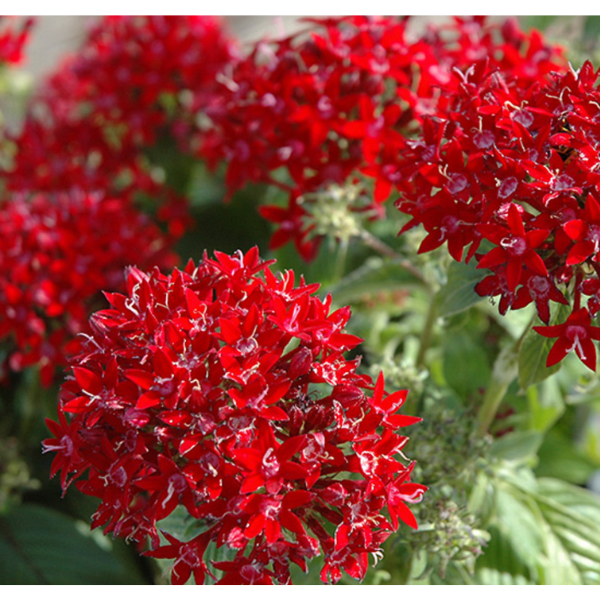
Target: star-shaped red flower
576,334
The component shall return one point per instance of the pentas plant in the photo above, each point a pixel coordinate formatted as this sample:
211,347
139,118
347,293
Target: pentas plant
513,170
134,79
57,253
223,389
343,101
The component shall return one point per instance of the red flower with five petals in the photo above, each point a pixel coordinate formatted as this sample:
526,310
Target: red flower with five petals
575,334
515,247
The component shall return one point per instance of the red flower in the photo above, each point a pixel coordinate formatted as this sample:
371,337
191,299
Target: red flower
227,393
509,159
585,232
576,334
516,248
346,100
57,253
188,558
12,42
90,124
291,225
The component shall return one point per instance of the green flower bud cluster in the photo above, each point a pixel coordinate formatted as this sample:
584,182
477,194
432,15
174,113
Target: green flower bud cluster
337,211
14,474
402,374
449,458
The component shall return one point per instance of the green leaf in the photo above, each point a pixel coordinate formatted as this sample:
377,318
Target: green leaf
559,458
546,404
459,292
519,525
456,574
42,546
532,359
517,446
500,564
575,531
591,28
552,527
374,276
540,22
571,496
534,350
466,367
557,566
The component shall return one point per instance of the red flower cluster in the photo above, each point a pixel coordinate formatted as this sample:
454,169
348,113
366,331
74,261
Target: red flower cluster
344,100
56,255
228,394
134,79
517,167
13,41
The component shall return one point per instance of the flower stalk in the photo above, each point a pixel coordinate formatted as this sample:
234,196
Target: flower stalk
504,372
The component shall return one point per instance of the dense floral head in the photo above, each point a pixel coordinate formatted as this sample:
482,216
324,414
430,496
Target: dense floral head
57,253
344,101
513,169
133,80
227,393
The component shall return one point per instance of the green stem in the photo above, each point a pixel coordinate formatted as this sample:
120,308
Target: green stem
426,333
376,244
340,262
504,372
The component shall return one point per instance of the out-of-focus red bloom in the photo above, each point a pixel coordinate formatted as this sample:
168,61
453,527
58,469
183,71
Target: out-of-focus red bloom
12,41
226,392
57,253
134,80
291,222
